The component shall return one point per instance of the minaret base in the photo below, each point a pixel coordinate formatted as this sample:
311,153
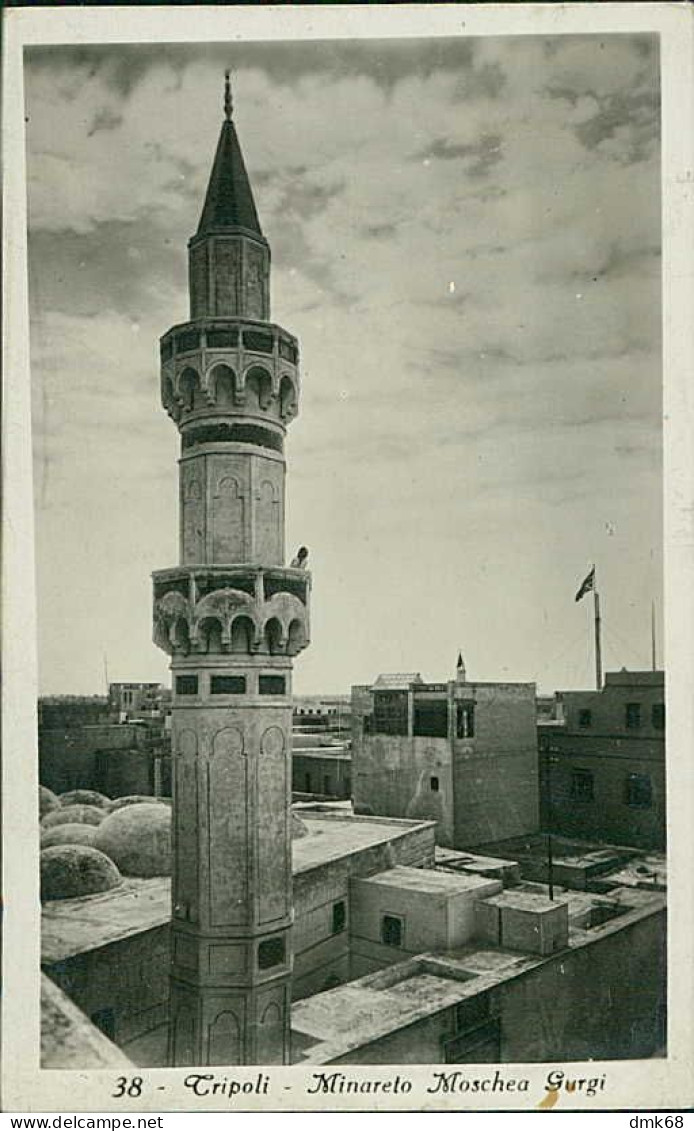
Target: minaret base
209,1026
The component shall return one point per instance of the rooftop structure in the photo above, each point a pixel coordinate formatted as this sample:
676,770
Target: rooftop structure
476,1003
462,753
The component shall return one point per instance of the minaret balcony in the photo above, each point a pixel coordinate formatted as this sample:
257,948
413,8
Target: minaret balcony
235,609
234,366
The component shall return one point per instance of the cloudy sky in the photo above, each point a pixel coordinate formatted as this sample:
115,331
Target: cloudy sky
466,240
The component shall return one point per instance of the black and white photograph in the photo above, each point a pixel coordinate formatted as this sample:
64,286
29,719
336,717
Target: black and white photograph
351,468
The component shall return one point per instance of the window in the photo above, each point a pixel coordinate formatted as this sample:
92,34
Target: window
271,952
227,685
186,685
339,917
307,783
434,785
639,791
585,717
390,712
465,720
633,716
326,786
582,785
271,684
658,716
431,718
392,930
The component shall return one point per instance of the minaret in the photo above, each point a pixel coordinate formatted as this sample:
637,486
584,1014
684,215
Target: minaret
232,617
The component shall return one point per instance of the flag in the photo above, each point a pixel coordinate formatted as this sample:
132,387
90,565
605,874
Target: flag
587,585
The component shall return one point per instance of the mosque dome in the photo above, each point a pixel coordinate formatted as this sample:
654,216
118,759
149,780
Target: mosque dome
136,799
48,800
85,797
138,839
72,870
68,834
73,815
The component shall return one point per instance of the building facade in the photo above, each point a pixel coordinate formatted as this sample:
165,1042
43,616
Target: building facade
461,753
602,761
232,617
138,701
324,774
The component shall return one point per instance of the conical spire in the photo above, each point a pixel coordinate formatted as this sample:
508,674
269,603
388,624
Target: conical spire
460,669
229,202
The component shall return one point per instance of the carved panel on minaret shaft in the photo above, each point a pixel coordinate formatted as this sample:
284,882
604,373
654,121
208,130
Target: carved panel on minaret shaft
228,493
186,906
272,824
224,1039
228,816
256,282
184,1033
269,516
193,511
198,280
272,1010
229,277
228,267
229,505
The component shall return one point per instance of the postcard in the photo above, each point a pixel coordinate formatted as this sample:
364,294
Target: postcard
348,558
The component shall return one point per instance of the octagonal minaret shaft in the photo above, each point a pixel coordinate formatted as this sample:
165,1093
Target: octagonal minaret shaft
232,616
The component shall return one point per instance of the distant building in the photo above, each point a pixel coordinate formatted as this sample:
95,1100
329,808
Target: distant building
322,773
322,712
115,759
118,746
602,761
63,712
321,754
129,701
461,753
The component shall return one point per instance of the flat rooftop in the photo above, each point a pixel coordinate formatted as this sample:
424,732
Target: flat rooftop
426,880
521,899
331,1025
69,926
337,833
367,1010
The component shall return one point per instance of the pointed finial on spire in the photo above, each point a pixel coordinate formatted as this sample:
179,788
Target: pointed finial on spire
228,104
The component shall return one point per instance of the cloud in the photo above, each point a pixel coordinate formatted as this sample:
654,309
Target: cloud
465,236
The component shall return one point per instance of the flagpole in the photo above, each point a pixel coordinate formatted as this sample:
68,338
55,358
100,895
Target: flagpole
598,652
